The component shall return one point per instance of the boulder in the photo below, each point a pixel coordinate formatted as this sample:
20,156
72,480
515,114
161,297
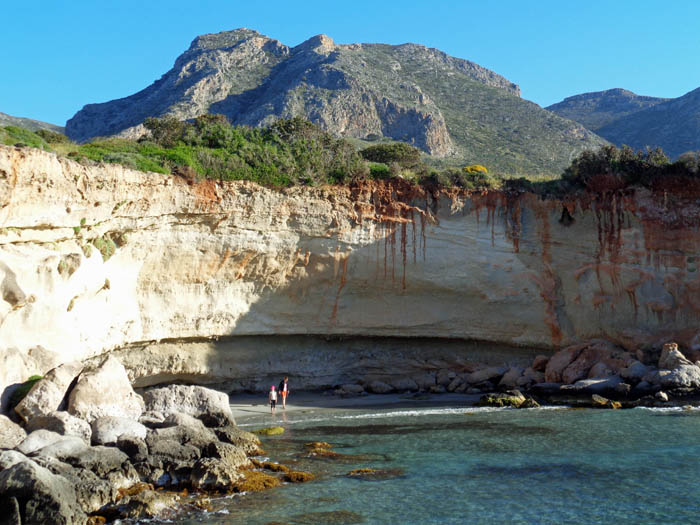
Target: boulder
11,434
43,497
512,398
62,423
672,358
48,394
598,386
91,492
540,363
9,510
10,457
425,381
603,402
682,376
444,377
109,429
210,406
350,389
174,420
510,378
38,439
379,387
105,391
404,384
231,455
213,474
600,370
66,447
132,446
635,372
145,504
486,374
455,384
559,361
246,441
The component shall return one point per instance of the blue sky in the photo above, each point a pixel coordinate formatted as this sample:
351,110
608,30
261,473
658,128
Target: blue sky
57,56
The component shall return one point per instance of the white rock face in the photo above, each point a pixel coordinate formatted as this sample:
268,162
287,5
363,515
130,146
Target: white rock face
48,393
232,282
105,391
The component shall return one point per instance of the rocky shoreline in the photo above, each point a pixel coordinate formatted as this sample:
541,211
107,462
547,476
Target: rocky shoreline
579,375
82,446
88,449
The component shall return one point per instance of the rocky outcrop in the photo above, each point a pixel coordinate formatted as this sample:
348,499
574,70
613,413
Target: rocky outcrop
239,285
446,106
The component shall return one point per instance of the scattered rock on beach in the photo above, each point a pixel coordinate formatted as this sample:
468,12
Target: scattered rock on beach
47,395
109,429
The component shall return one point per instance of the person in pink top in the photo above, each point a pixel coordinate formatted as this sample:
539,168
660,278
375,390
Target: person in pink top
272,396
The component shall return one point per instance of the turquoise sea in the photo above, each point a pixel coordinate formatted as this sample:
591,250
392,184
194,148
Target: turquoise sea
441,465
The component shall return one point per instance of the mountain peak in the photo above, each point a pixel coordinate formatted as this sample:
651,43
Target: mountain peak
448,107
320,43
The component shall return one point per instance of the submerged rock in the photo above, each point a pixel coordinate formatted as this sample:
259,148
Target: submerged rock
512,398
269,431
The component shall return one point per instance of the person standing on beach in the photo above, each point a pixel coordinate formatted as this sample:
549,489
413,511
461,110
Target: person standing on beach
284,391
273,399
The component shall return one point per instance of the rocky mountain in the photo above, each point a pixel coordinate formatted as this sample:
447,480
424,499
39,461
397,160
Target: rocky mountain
625,118
27,123
598,109
449,107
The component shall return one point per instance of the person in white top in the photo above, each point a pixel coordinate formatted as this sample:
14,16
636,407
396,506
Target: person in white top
272,396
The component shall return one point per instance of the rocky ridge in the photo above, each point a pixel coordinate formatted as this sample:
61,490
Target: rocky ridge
624,118
27,123
444,105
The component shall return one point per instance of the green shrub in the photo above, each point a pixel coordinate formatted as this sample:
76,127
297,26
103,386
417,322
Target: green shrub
379,170
15,136
22,390
53,137
404,154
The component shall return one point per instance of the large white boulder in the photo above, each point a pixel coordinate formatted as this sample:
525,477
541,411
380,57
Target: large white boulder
105,391
48,393
210,406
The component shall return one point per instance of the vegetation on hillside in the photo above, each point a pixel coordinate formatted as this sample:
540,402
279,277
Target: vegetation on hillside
297,152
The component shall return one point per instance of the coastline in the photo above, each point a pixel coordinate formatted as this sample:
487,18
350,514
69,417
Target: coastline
249,408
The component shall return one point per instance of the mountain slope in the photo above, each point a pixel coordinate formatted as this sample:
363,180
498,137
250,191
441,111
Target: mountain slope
597,109
673,125
27,123
449,107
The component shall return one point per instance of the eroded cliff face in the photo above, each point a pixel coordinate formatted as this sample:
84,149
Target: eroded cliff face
234,282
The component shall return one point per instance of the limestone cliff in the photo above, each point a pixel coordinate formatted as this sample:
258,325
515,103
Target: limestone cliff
231,282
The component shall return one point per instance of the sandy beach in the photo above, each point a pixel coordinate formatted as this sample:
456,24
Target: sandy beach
250,407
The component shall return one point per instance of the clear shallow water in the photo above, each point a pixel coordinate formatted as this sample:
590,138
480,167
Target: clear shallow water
483,466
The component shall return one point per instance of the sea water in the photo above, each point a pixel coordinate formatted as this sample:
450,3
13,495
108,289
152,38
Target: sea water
445,465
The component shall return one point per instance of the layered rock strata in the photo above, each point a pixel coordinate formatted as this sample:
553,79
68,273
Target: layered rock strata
235,283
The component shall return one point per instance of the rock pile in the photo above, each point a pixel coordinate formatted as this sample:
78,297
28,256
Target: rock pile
583,370
89,447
